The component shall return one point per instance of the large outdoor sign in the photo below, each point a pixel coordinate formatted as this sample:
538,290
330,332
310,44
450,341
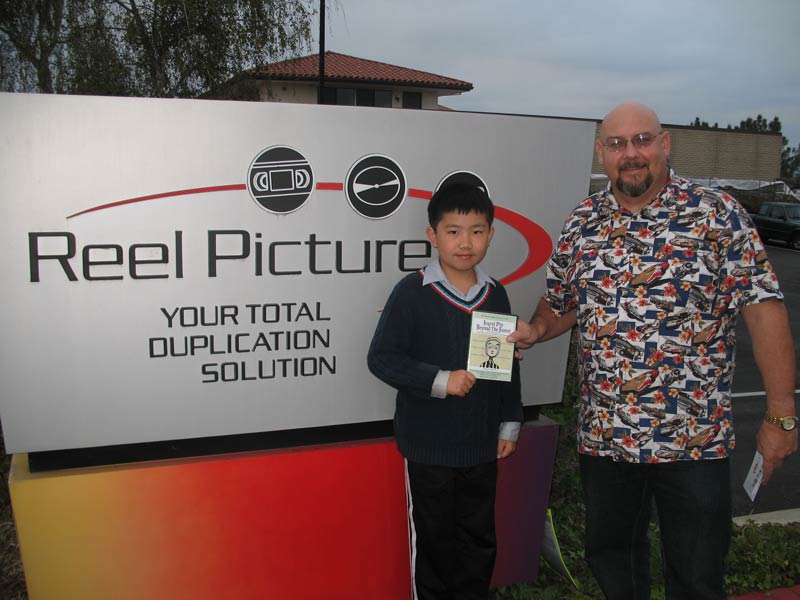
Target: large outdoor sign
176,269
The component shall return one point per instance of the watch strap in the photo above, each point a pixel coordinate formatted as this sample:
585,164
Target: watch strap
779,421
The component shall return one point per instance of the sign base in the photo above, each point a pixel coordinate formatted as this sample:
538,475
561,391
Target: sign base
315,522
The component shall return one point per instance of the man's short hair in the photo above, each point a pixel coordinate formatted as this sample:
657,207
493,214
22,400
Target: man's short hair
462,198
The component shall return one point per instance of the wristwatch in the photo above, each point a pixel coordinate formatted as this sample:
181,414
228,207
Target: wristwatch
785,423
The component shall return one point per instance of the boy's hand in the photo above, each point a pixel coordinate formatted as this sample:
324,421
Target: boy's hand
505,448
460,383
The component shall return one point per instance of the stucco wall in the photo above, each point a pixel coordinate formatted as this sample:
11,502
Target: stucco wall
303,93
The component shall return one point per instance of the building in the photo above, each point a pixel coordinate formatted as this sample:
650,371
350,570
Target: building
348,81
738,157
745,163
722,153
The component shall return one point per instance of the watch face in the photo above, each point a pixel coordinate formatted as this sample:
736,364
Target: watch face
789,423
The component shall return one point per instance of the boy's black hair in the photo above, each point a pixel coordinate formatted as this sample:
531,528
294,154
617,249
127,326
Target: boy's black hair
462,198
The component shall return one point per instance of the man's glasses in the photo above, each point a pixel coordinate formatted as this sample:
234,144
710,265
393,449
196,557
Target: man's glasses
639,141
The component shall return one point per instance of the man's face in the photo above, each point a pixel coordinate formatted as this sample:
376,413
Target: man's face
462,241
492,348
637,174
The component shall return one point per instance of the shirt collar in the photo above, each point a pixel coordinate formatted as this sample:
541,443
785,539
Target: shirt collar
433,273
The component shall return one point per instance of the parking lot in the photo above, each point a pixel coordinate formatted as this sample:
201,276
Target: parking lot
749,402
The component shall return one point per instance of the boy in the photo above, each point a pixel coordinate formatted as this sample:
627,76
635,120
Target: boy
450,427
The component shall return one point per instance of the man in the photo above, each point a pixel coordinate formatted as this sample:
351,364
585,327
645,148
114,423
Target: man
654,270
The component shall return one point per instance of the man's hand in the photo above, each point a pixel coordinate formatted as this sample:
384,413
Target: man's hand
775,445
524,337
460,383
544,325
505,448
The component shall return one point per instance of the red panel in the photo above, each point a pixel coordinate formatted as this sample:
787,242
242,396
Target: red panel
523,492
325,522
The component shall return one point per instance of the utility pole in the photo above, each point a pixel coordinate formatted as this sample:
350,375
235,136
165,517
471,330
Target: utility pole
321,51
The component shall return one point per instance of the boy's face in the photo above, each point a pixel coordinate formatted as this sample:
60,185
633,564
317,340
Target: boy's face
462,241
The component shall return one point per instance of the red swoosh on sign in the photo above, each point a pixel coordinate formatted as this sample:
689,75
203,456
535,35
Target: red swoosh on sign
539,243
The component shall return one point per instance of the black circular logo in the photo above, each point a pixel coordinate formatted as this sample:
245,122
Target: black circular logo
375,186
280,179
464,177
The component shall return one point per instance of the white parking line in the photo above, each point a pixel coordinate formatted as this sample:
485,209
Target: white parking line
746,394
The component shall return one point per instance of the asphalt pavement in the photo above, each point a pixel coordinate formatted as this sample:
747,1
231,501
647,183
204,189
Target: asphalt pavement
749,402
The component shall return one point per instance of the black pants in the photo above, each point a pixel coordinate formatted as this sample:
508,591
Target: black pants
693,501
451,519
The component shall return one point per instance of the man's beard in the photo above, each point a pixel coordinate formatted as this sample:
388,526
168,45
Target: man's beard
634,190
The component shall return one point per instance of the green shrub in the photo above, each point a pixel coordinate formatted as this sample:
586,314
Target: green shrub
763,557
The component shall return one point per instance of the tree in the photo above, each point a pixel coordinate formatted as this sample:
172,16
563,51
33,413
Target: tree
34,29
159,48
790,161
760,124
698,124
96,65
185,47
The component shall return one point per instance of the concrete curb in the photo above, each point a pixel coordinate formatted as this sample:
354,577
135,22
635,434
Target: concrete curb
780,517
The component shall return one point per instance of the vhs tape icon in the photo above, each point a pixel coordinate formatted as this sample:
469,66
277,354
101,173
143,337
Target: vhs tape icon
280,179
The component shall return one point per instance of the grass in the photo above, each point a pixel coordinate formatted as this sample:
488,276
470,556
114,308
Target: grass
762,557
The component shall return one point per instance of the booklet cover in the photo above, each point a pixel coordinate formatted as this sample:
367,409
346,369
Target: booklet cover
490,355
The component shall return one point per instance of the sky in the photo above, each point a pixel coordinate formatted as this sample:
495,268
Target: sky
720,60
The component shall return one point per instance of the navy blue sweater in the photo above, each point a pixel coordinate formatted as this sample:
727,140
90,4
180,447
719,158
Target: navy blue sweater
420,333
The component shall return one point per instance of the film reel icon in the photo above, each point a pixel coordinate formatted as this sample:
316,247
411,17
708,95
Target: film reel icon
375,186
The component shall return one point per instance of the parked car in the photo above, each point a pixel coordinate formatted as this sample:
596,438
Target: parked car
779,221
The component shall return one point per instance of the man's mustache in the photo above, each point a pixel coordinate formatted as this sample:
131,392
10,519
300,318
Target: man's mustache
632,165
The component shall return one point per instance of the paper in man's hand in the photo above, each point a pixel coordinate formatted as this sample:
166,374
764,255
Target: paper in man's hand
754,476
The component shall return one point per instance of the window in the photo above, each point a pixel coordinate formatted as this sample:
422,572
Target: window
340,96
345,96
778,213
357,97
383,98
412,100
365,97
328,95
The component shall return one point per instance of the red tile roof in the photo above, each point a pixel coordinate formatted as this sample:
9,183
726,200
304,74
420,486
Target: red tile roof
345,68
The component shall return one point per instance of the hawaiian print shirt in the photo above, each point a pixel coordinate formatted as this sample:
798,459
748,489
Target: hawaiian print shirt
657,294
